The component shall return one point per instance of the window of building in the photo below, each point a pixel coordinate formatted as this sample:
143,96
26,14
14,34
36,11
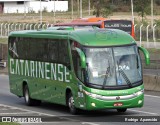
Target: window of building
20,2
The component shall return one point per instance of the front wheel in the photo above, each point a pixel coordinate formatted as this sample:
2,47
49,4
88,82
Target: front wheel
122,110
27,98
72,108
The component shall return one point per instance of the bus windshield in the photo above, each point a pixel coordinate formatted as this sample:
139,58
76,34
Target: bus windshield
113,66
124,25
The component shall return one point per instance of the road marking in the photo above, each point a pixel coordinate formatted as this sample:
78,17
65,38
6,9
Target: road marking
26,110
89,123
30,111
15,113
152,96
143,112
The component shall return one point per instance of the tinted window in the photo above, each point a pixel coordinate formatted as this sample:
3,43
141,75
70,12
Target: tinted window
46,50
119,24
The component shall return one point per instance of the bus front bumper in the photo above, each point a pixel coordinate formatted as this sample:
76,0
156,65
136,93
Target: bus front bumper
114,102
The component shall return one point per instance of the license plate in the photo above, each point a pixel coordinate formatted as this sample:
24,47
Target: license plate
118,104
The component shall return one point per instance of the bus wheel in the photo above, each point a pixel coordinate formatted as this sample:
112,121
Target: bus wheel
72,108
122,110
27,98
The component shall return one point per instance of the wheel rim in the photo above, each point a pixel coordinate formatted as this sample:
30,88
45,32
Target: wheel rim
26,96
71,103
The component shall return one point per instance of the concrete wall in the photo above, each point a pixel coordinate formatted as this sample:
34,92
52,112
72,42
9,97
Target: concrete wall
151,82
13,7
34,6
59,6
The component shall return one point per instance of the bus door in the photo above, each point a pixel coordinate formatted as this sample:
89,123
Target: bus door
78,70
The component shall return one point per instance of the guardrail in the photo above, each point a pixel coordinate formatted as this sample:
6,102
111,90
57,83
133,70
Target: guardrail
6,28
3,64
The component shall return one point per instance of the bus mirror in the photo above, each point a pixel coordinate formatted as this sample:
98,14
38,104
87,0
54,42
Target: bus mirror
82,57
146,55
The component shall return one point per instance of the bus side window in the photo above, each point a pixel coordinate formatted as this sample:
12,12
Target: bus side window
58,52
64,53
53,50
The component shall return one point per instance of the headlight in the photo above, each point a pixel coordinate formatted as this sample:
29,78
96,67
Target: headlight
139,92
91,94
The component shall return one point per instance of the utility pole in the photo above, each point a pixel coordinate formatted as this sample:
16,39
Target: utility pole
24,9
72,8
54,12
40,12
152,20
80,8
132,11
89,6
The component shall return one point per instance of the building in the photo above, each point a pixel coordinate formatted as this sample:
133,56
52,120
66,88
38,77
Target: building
32,6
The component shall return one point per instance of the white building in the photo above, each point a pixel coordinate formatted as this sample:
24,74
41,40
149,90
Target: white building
28,6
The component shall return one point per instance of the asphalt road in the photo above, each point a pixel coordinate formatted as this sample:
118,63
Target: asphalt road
11,105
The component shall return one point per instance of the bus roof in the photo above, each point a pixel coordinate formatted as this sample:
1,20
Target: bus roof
78,23
91,19
94,37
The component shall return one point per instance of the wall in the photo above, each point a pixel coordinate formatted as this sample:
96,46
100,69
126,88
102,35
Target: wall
13,7
59,6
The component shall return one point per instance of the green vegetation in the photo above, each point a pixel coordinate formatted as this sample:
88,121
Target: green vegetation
102,8
3,40
142,7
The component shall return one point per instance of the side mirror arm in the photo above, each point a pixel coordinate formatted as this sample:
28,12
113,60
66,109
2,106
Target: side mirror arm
82,57
146,55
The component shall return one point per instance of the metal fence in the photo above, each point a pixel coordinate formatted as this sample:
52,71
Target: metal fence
147,36
3,55
6,28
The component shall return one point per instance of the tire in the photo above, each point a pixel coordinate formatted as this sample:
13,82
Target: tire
122,110
70,102
28,100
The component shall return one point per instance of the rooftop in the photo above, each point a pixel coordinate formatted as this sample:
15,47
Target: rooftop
92,37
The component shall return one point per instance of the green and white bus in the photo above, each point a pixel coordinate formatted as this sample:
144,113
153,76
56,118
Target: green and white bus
83,69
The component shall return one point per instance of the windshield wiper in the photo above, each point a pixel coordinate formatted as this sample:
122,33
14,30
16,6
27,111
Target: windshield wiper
124,76
106,75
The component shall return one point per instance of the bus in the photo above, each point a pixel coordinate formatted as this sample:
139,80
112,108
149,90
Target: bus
83,69
125,25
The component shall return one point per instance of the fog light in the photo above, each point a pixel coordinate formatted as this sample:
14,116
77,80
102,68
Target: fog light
140,101
93,104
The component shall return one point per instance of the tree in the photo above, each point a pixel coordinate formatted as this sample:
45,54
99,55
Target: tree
102,8
142,7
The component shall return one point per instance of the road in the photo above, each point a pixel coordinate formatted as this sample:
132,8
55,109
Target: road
12,105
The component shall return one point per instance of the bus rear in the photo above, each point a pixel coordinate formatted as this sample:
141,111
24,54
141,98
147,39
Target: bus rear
125,25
